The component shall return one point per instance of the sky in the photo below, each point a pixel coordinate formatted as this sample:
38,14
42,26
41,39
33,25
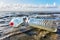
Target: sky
31,1
23,4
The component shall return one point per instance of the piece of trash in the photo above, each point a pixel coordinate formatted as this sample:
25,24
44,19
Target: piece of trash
15,22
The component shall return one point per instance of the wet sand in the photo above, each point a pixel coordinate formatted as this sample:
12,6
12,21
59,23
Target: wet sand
27,37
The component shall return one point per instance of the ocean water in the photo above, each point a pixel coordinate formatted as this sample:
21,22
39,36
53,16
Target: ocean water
5,18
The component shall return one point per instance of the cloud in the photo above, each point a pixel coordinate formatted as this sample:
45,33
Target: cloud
25,7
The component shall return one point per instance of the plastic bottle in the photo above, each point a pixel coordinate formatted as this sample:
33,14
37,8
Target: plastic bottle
16,21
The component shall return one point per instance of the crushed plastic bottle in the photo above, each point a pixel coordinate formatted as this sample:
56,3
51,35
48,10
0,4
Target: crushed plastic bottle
16,21
46,24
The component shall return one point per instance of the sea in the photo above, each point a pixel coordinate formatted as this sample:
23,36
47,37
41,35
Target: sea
5,18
